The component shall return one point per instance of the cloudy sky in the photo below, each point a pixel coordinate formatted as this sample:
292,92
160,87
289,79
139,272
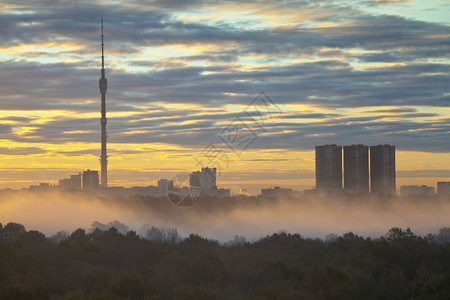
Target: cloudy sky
247,87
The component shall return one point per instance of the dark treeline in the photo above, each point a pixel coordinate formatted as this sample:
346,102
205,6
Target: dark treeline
105,264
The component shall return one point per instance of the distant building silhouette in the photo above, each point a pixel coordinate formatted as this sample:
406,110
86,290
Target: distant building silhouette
122,192
382,170
70,184
204,179
221,193
277,192
42,187
164,186
89,181
76,181
409,190
443,188
328,167
64,184
356,168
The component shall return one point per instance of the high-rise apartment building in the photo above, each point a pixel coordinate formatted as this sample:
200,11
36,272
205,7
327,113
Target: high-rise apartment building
89,181
356,168
204,179
382,170
329,167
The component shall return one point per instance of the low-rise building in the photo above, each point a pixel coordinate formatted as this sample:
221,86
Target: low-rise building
42,187
409,190
164,186
276,192
70,184
443,188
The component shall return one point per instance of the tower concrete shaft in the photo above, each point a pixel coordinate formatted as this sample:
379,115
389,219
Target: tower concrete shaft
103,84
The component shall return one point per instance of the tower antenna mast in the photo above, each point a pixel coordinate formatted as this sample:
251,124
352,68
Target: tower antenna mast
103,84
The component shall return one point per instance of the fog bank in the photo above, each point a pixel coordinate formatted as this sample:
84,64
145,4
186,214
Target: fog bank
222,219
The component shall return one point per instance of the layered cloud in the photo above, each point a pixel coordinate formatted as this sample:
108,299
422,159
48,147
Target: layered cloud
180,71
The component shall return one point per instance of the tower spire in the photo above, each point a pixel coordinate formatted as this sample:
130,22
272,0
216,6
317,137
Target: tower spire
103,84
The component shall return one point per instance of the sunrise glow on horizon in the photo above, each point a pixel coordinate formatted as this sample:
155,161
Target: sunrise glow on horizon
340,72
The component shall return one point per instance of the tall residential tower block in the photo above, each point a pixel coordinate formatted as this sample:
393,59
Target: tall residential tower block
328,167
382,170
356,168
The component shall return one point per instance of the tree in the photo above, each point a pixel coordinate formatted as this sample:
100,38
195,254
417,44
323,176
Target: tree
397,234
326,282
131,285
78,236
155,234
187,292
11,232
163,234
59,237
33,237
443,237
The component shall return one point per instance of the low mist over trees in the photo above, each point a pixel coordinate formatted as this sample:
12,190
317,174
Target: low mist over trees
108,264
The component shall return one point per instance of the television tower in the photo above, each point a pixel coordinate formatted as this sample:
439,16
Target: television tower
102,84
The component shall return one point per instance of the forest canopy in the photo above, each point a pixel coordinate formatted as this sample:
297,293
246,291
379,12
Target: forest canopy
109,264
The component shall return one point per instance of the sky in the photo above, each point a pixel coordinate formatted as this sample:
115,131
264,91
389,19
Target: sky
247,87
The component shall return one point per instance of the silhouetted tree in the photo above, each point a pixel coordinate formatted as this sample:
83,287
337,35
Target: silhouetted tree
106,264
59,237
443,236
11,232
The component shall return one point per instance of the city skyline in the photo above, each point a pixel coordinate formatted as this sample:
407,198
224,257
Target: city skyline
376,72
